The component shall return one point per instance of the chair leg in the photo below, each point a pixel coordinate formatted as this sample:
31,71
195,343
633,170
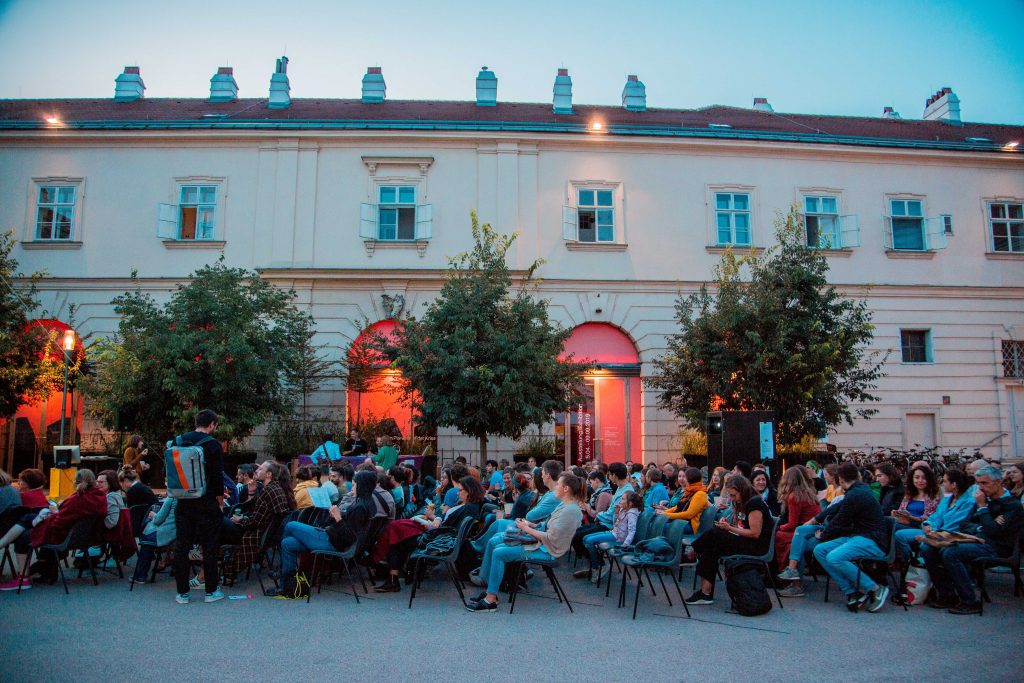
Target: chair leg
622,586
513,586
558,589
636,596
680,592
661,579
768,573
417,565
453,572
24,572
313,577
551,579
1018,586
351,581
828,581
650,584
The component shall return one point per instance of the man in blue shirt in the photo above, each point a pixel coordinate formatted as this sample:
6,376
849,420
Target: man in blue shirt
327,452
551,470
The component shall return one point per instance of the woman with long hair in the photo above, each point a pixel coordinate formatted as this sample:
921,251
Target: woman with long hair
340,535
920,499
891,493
109,484
693,501
955,506
799,499
746,531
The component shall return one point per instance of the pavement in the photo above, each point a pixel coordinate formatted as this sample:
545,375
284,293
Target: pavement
104,633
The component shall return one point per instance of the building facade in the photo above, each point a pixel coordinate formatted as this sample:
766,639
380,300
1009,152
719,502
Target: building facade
356,204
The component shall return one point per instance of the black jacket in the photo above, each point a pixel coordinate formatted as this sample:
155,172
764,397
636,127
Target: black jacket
859,514
890,498
982,522
772,500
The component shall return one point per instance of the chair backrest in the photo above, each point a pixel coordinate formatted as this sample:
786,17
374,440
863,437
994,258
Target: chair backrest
890,528
775,522
83,534
657,527
274,532
674,533
707,519
643,525
460,538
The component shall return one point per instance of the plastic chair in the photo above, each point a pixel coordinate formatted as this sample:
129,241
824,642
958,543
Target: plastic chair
707,520
674,535
81,537
887,561
420,558
979,565
346,558
158,554
269,543
764,559
548,565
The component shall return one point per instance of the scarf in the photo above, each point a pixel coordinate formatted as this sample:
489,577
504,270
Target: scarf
691,491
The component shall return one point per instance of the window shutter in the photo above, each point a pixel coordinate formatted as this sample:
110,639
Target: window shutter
424,221
368,221
167,221
807,237
935,233
849,231
569,219
888,231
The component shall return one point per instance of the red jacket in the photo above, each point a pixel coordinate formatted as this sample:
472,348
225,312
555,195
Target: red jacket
799,512
55,528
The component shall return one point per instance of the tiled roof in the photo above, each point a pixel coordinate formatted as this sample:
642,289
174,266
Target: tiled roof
314,113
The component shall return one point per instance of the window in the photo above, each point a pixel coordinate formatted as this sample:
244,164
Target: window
821,222
197,212
909,230
1006,223
1013,358
55,212
732,218
595,215
915,346
947,224
396,217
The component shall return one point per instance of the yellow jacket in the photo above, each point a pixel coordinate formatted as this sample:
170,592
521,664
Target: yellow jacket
302,499
697,505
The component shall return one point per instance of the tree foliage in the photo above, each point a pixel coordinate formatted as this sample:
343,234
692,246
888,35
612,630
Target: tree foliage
773,335
483,359
226,340
22,345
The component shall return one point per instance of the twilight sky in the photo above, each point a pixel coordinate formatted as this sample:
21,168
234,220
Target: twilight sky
823,57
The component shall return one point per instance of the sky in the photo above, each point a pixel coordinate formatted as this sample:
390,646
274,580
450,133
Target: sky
824,57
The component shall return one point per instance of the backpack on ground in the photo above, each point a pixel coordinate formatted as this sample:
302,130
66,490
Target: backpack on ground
185,466
294,586
744,581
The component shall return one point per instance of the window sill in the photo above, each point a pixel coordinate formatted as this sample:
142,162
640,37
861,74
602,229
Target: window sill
194,244
836,253
721,249
373,245
1010,380
595,246
64,245
899,254
1004,256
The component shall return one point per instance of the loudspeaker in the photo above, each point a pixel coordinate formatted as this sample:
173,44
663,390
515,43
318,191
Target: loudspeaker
66,456
737,435
124,420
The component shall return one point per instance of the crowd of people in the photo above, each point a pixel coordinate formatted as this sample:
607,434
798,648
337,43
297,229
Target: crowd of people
836,516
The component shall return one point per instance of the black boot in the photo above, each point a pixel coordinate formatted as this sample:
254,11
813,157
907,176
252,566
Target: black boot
390,586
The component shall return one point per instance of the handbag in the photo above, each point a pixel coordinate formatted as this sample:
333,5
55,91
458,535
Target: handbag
516,537
918,584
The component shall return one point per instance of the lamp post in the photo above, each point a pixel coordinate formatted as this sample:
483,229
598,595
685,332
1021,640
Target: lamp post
68,348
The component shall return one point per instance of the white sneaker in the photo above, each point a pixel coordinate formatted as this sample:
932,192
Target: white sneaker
597,576
214,596
181,598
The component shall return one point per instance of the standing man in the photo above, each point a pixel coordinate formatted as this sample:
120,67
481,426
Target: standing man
326,453
354,445
198,520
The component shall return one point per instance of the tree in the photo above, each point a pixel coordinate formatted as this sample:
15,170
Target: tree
22,344
311,370
226,340
484,360
781,340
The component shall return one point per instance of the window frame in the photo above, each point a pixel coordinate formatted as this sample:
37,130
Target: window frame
220,213
921,218
572,206
711,200
31,231
835,216
198,206
1015,358
926,347
396,206
990,222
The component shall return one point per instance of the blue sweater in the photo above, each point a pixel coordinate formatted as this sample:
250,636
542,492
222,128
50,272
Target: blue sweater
544,507
947,518
656,494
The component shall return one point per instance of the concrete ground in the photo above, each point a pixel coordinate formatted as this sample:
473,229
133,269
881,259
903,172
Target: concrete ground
105,633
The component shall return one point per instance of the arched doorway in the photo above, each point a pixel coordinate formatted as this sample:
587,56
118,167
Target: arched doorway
604,421
374,390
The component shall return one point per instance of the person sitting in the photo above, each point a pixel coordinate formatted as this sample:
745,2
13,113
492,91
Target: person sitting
799,507
343,531
542,509
891,493
135,453
160,531
605,520
856,532
623,530
1013,480
763,486
834,489
393,481
600,497
492,476
654,491
953,510
670,477
51,525
920,500
32,489
746,531
307,477
328,485
743,469
10,497
354,445
326,453
997,520
136,494
387,455
401,536
274,501
111,488
716,483
693,502
523,495
342,475
552,539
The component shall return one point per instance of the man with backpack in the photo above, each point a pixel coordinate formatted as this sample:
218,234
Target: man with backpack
198,517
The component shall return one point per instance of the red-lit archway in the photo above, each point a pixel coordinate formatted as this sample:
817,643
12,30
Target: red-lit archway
374,388
604,422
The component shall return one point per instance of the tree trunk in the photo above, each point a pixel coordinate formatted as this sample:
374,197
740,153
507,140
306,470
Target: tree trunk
483,449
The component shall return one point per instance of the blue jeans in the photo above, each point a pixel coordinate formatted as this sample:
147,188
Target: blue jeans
591,541
301,538
499,525
950,569
498,555
837,556
803,542
145,558
905,535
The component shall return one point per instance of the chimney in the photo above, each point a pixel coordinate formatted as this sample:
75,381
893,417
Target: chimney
374,88
128,86
563,93
279,87
890,113
761,104
944,105
222,86
634,95
486,88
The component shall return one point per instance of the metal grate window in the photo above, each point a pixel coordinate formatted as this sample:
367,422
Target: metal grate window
1013,358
